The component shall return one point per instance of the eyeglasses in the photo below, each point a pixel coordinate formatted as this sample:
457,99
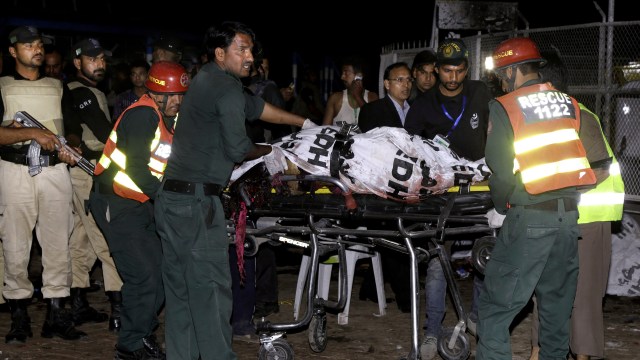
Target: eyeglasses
402,80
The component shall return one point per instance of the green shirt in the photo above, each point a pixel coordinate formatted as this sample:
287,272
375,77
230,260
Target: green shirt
210,136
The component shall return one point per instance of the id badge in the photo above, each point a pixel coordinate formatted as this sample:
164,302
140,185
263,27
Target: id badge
441,140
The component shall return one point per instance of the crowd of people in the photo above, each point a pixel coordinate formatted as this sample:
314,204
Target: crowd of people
151,212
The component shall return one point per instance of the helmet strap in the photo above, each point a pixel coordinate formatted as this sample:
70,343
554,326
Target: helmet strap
511,81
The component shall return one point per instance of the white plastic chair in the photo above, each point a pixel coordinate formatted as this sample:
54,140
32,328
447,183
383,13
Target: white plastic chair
353,254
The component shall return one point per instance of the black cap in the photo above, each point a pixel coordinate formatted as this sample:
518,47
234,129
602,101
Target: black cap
89,47
26,34
423,57
452,52
170,43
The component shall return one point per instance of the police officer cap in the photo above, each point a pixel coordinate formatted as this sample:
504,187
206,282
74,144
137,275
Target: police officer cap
452,52
89,47
26,34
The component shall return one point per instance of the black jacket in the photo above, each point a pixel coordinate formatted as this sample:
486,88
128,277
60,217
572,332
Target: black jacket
427,118
381,112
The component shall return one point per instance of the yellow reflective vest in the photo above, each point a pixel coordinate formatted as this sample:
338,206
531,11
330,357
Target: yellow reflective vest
548,152
605,202
160,150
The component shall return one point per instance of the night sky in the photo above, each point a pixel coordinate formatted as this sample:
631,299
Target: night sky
314,30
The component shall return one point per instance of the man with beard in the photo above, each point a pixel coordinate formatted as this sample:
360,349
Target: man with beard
88,130
454,114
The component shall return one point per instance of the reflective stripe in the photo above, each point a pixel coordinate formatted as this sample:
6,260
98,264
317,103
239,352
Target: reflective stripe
156,165
545,139
614,169
104,161
602,198
124,180
545,170
119,158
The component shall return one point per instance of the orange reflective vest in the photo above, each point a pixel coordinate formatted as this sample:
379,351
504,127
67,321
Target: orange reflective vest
548,152
160,150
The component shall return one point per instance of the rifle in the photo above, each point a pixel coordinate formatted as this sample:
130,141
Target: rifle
26,120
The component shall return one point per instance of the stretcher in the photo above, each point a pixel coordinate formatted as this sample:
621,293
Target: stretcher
321,214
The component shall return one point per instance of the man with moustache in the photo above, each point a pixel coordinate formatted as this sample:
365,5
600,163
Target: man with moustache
35,194
455,114
88,130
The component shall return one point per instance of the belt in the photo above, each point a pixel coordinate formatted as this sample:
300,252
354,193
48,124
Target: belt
102,189
186,187
552,205
22,159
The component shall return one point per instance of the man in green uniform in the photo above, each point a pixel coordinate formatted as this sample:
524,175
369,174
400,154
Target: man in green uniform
538,161
127,176
209,141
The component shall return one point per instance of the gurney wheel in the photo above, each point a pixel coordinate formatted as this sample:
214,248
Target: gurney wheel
461,349
318,333
481,252
250,246
281,351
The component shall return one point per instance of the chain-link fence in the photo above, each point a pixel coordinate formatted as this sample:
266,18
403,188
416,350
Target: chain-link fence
603,61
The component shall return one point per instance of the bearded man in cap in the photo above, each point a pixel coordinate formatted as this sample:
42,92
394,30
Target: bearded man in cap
89,130
35,191
455,114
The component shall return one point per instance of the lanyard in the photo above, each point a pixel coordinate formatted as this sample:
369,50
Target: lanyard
457,120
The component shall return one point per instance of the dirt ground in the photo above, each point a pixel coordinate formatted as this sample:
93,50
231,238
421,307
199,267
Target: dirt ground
365,336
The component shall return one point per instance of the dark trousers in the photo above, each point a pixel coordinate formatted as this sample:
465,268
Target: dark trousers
244,293
196,275
129,229
266,275
536,251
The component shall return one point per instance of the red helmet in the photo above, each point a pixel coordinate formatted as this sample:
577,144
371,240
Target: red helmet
516,51
167,77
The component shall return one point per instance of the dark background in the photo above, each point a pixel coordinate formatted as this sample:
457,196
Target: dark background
316,33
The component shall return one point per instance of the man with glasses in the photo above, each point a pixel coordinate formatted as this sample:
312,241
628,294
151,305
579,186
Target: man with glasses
392,109
454,114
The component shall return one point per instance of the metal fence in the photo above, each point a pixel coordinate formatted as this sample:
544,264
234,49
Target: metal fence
603,61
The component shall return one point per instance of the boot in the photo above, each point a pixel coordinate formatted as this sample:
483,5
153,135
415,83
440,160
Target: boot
20,322
152,348
122,354
82,312
115,298
59,322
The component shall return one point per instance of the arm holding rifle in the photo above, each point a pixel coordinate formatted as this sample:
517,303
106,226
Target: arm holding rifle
66,153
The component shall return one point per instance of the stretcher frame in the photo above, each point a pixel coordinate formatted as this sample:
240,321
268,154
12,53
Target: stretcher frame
414,227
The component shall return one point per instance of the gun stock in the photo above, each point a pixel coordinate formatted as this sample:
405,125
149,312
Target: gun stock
26,120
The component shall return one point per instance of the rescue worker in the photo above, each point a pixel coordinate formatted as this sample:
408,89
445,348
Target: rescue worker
538,162
35,195
210,140
126,176
598,207
88,130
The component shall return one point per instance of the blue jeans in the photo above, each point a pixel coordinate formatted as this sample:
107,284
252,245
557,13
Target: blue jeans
436,292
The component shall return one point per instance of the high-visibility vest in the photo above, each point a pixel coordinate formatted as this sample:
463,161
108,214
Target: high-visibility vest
160,150
548,152
605,202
